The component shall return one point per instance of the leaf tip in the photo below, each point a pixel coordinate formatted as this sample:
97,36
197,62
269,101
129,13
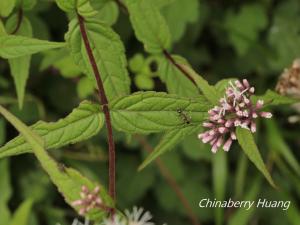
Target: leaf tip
142,166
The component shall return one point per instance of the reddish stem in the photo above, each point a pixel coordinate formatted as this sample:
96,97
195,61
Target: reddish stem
19,22
178,66
104,103
165,52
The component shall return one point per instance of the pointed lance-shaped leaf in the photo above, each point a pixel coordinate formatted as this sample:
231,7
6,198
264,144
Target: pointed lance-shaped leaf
82,123
148,112
6,7
209,91
19,67
68,181
109,54
175,80
66,5
22,214
220,173
246,141
13,46
149,25
82,7
5,187
169,141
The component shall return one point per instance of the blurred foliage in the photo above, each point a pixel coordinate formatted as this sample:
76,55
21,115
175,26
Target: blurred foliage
221,39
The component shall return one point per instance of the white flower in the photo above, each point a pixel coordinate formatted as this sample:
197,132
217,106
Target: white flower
117,220
139,217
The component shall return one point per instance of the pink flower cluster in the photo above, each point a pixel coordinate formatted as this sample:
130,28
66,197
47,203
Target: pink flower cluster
234,110
89,200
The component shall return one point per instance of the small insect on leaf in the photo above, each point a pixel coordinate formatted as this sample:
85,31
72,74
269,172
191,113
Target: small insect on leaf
185,117
61,167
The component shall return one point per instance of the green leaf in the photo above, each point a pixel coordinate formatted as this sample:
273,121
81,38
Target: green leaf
66,5
6,7
162,3
99,4
179,14
61,60
19,67
85,87
2,128
144,82
41,30
277,143
273,99
67,180
240,176
176,81
169,141
242,37
83,123
85,9
136,63
109,13
146,112
26,4
219,164
149,25
51,57
6,192
286,47
209,91
246,141
67,67
142,112
288,174
242,216
12,46
293,212
21,216
108,52
2,29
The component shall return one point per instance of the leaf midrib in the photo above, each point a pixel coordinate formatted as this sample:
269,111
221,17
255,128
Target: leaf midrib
47,130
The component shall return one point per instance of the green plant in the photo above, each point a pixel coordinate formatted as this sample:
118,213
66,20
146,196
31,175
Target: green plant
93,48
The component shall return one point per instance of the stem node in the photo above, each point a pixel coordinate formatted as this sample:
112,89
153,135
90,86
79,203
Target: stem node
104,104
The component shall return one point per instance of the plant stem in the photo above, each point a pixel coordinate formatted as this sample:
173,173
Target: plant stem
122,6
171,181
165,52
163,169
104,103
19,22
178,66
